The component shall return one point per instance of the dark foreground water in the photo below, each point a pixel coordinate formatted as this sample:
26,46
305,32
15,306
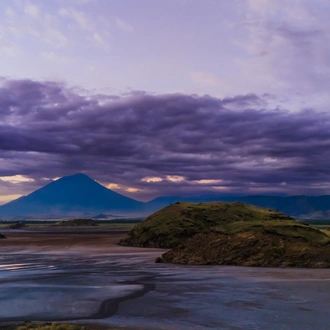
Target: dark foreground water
131,290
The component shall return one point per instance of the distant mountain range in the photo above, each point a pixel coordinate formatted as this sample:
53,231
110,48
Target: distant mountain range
301,206
79,194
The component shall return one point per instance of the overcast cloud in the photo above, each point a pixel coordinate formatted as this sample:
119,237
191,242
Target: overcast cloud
146,145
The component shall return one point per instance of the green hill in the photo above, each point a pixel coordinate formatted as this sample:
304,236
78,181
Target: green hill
231,234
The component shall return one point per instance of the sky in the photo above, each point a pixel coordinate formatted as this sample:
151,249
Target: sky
175,97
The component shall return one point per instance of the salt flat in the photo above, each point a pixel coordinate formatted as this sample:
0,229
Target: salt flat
81,275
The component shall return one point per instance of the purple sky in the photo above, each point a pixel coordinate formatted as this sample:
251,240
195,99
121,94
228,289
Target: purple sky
156,97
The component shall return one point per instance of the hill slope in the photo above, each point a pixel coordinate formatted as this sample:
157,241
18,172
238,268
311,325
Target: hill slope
231,234
70,194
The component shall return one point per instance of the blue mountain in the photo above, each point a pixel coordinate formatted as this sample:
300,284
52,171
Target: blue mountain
71,194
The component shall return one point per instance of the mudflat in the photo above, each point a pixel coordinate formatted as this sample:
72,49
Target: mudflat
55,239
81,276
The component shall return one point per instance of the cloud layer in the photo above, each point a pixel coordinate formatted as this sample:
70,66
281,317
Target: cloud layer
150,145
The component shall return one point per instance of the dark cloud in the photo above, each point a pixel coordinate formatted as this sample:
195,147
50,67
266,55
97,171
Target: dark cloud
48,130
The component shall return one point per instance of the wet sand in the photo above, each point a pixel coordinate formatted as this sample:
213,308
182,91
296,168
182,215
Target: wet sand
82,275
72,241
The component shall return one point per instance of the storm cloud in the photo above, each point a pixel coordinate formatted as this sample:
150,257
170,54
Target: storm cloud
151,144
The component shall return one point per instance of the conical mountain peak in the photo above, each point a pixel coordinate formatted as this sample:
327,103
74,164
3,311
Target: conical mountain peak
73,193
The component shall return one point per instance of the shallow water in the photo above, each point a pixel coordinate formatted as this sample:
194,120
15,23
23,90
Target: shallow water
129,289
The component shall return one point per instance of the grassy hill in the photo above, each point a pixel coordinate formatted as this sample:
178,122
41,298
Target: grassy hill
170,226
231,234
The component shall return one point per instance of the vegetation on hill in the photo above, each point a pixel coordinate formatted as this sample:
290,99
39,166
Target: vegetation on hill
168,227
76,222
231,234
